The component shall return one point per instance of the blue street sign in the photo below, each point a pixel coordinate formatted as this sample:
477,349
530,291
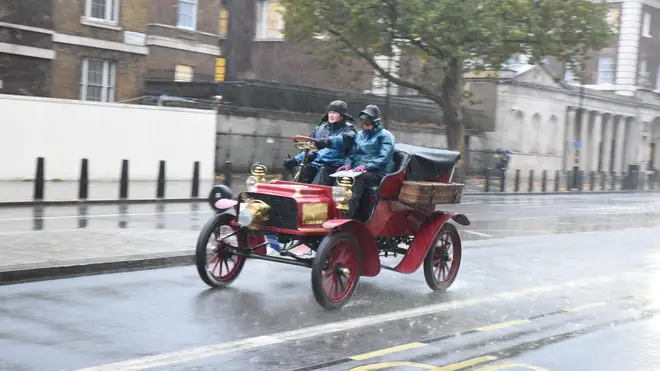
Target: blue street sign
577,144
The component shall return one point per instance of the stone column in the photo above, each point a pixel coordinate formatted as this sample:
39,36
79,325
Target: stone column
607,127
595,141
584,139
634,141
568,137
619,153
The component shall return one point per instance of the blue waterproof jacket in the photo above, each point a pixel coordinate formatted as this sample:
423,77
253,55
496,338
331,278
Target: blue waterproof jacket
374,149
341,134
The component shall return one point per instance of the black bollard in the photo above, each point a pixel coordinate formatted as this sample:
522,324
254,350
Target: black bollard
517,181
486,179
592,180
581,180
503,181
195,181
39,179
530,181
123,180
227,173
83,183
557,180
160,187
544,181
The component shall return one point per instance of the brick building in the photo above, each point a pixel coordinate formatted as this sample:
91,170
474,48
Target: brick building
102,50
26,48
183,39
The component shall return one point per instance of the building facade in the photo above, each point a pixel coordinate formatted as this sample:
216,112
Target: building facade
183,37
26,47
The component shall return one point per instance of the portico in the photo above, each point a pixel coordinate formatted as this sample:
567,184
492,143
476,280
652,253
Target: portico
555,126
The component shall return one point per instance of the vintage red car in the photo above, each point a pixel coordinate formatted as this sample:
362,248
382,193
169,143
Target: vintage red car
403,220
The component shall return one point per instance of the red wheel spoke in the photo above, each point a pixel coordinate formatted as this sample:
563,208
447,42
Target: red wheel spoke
226,261
216,266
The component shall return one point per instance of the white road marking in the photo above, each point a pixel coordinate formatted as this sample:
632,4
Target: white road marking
478,233
193,354
101,215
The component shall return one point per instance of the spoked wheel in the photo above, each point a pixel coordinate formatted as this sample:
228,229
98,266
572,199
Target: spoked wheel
443,259
336,270
216,265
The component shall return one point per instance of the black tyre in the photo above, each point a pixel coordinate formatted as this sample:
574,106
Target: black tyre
216,265
336,270
443,260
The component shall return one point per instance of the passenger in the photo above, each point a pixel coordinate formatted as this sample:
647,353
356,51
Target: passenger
335,136
372,154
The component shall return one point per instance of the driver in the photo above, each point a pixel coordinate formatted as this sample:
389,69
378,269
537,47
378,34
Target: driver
335,136
372,156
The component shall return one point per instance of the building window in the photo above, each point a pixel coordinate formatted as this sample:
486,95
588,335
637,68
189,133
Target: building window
223,22
103,10
269,20
605,69
646,25
98,80
570,75
643,73
220,69
183,73
187,14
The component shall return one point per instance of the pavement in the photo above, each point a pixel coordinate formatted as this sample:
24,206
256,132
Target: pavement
20,193
546,283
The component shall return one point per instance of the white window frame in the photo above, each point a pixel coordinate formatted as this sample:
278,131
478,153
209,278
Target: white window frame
193,20
109,80
262,21
111,12
184,76
646,24
569,76
605,70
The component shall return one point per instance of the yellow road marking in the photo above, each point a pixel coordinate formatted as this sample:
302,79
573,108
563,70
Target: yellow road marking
452,367
383,352
502,325
584,306
500,366
466,364
381,365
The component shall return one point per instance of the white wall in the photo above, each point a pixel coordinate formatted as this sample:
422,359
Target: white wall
65,131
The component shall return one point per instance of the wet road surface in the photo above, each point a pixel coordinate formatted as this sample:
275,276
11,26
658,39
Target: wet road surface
533,289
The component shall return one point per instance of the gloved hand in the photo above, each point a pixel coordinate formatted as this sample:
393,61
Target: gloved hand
310,157
323,143
290,163
360,169
344,167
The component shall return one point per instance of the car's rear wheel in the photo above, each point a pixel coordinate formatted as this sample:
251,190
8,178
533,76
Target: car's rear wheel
216,265
336,270
443,259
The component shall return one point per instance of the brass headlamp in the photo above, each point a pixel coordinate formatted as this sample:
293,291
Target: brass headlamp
346,183
254,213
259,171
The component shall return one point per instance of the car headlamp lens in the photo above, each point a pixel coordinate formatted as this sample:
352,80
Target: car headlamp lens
338,194
245,217
251,183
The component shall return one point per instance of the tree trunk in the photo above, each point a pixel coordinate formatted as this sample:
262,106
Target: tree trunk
453,114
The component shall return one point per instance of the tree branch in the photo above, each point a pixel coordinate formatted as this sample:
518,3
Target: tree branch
399,81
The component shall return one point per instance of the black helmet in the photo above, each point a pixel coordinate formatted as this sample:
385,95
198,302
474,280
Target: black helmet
372,111
338,106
